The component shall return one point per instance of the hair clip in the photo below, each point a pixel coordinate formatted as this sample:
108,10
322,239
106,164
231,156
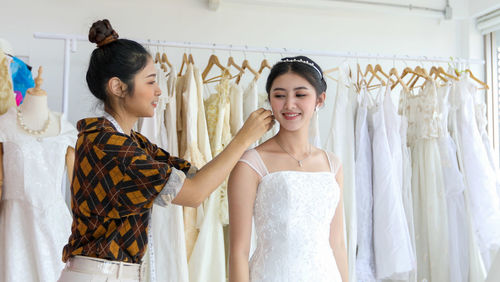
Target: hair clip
303,62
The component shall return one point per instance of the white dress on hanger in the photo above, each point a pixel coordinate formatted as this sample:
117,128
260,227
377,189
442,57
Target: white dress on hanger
341,142
250,99
236,112
455,187
35,222
365,260
203,138
207,262
394,256
429,194
166,259
482,122
171,114
293,212
479,175
476,269
406,184
154,127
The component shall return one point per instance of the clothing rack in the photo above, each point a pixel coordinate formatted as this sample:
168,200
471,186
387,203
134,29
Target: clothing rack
70,41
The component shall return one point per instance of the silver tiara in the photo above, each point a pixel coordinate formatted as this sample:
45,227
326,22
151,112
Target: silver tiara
303,62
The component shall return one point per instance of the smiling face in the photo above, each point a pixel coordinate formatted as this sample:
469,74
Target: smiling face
144,98
293,100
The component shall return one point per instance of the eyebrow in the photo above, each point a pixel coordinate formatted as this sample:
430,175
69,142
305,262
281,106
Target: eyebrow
296,88
153,74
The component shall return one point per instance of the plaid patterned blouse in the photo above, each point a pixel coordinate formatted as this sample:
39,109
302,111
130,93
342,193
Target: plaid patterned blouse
116,180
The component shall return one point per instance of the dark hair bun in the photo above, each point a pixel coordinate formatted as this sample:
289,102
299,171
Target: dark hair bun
102,33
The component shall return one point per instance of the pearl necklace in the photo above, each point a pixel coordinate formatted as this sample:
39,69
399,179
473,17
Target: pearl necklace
299,161
20,120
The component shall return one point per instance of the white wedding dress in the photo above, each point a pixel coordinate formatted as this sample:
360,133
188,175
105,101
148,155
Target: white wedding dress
428,185
35,222
341,141
293,212
365,259
394,254
479,174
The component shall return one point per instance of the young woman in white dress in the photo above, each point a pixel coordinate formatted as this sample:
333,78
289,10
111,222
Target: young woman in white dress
292,189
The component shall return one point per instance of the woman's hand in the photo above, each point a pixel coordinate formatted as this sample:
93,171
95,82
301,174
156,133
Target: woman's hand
259,122
196,190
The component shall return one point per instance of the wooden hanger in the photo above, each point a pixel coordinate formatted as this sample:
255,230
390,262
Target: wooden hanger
191,59
264,64
394,72
437,74
246,65
419,73
164,67
157,57
369,69
164,59
329,71
378,69
231,62
213,60
485,86
360,78
185,61
407,71
443,72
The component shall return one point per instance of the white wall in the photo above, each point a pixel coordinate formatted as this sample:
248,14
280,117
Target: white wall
342,29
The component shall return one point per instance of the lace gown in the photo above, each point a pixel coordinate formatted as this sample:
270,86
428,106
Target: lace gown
293,212
35,222
428,189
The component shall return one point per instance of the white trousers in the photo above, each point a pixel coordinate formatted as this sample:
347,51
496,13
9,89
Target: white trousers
89,269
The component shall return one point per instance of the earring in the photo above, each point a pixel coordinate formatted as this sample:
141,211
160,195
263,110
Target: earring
316,109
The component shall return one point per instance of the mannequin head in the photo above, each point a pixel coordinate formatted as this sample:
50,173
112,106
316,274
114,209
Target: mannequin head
37,90
114,66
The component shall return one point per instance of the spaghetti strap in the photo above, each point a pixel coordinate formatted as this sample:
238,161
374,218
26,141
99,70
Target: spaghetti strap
253,160
333,161
329,161
261,162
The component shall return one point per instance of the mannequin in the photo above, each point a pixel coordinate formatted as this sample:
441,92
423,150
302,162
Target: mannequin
35,114
37,149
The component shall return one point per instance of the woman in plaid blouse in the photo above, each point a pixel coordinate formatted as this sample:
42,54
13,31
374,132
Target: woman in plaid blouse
119,174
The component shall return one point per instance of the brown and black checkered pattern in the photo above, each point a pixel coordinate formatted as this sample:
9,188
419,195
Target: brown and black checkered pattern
116,179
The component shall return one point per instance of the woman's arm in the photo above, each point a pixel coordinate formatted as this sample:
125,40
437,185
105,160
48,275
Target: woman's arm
242,188
70,162
337,241
195,190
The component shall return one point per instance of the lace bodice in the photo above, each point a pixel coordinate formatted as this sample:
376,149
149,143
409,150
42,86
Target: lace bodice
34,166
422,113
293,212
